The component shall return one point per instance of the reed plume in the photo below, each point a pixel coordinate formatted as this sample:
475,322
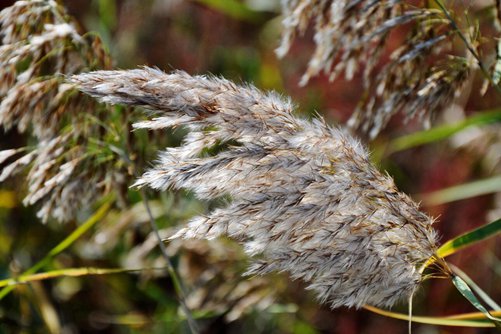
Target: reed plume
305,198
71,155
422,75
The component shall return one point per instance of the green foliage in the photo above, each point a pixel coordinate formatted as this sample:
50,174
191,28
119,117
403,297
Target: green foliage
233,8
443,132
68,241
470,238
468,294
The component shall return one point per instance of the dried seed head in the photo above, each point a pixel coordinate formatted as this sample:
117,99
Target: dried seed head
406,86
304,196
213,272
347,33
352,34
39,44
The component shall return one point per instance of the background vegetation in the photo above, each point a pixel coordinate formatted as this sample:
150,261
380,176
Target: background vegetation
237,40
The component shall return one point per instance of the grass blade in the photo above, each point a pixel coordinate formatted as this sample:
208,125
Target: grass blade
481,293
463,191
470,238
69,272
96,217
444,131
233,9
461,320
465,290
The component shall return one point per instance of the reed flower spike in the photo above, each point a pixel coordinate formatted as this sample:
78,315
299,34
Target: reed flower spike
351,35
70,155
305,198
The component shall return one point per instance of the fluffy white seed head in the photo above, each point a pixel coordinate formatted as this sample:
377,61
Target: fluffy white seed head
304,197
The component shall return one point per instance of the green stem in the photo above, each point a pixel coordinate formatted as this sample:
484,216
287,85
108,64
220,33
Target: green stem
69,272
68,241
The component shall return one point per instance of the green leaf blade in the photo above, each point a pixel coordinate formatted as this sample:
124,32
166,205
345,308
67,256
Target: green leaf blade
465,290
463,191
443,132
472,237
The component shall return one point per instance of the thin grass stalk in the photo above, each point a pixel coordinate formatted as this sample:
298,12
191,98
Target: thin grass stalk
178,285
69,272
411,298
461,320
68,241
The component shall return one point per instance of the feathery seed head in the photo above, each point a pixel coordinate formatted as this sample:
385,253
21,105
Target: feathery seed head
39,45
305,198
352,34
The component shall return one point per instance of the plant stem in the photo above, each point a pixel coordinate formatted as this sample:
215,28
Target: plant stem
178,286
68,241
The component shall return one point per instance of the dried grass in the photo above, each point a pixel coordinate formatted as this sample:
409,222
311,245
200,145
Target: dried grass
304,197
69,162
350,35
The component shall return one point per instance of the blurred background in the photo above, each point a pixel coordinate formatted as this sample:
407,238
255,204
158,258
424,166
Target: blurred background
234,39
